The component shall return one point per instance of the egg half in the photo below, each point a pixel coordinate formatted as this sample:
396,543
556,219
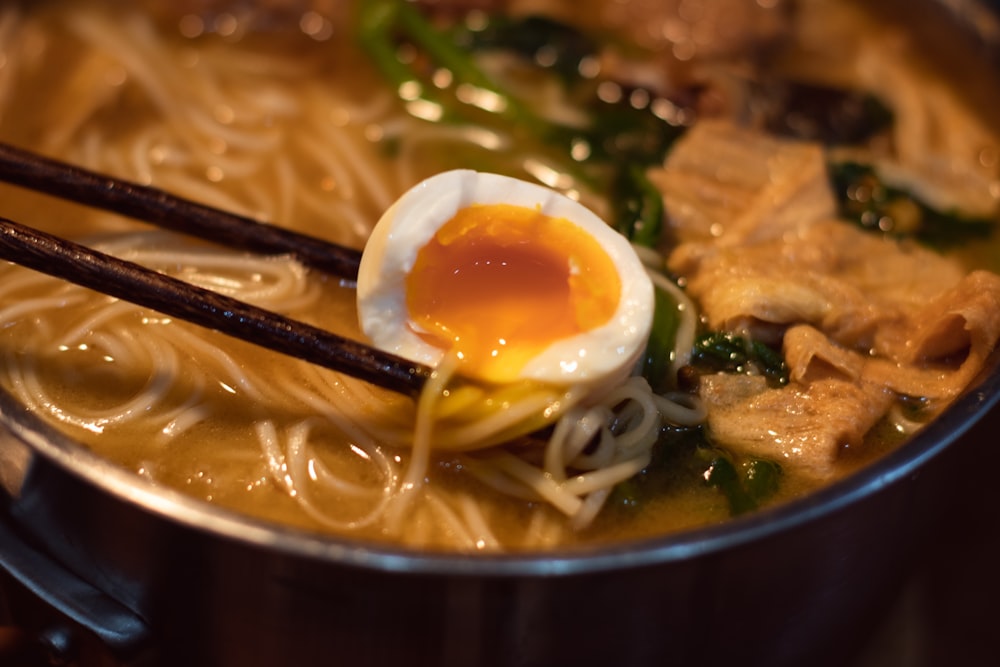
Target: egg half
518,281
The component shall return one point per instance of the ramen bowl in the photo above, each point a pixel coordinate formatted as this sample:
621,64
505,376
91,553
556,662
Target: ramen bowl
159,577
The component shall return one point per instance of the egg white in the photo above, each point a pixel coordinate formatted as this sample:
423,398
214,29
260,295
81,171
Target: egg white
605,352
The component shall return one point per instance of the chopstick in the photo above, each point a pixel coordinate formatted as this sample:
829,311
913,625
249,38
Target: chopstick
142,286
66,181
137,284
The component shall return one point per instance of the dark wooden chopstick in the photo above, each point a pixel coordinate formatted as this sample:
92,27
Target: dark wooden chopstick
137,284
66,181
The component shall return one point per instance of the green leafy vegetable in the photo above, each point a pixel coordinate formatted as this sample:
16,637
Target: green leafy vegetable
620,140
674,461
381,25
761,478
539,39
657,357
722,474
864,199
638,205
685,454
719,351
744,487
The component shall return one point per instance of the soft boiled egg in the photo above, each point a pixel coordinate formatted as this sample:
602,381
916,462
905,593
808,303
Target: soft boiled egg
517,281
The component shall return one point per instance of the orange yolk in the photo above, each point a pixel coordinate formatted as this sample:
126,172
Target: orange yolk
499,283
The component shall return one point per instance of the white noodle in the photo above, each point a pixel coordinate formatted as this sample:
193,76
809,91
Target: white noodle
295,152
184,418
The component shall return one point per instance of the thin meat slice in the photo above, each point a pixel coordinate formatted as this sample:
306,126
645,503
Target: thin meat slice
804,427
862,319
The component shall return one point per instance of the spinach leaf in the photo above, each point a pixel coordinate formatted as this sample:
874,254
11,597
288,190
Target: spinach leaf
863,198
716,351
619,141
744,487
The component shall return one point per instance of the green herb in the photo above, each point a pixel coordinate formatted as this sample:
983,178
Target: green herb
721,473
725,352
538,39
761,478
685,455
657,357
745,487
865,199
674,462
377,25
620,140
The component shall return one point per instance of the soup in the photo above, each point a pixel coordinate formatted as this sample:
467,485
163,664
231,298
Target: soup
812,224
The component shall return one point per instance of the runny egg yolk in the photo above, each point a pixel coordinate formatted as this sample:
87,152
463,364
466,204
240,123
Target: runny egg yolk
498,284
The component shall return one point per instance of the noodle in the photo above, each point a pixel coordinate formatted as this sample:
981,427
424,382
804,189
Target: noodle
215,142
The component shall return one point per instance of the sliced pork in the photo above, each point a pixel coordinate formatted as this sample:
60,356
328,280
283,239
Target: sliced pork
863,319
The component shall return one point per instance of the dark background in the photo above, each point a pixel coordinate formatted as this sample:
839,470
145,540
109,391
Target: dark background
949,612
